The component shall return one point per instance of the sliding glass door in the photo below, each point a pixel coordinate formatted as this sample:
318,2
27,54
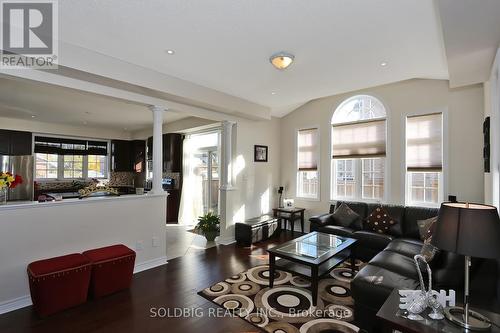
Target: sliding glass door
200,187
208,170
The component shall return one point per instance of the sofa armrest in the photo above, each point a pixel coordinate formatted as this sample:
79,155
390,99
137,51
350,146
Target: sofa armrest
372,240
320,221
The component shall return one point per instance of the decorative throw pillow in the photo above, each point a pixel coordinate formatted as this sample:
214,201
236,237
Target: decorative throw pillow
344,216
380,221
426,229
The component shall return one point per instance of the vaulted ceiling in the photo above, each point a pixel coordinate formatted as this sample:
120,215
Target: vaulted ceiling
222,49
225,44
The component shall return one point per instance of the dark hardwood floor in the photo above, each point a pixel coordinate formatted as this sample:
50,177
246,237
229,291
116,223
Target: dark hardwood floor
171,286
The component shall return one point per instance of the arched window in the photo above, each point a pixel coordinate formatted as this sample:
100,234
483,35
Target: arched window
359,149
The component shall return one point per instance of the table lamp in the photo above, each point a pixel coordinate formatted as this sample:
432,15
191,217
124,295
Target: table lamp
471,230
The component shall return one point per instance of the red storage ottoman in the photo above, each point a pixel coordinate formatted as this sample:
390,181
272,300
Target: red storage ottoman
59,283
112,269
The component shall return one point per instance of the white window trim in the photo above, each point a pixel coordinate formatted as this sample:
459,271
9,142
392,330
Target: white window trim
388,154
318,152
444,172
60,160
423,203
358,174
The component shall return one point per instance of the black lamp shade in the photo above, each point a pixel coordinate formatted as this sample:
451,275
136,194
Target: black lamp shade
468,229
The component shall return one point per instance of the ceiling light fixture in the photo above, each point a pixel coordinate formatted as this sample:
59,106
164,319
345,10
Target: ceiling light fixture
281,60
170,52
33,116
383,64
273,93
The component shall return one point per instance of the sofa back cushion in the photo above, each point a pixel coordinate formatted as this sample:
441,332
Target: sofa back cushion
359,208
397,215
414,214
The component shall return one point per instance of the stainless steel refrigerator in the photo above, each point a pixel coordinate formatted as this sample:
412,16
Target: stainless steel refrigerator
23,166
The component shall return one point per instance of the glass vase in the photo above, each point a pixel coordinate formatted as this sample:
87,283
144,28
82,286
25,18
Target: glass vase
3,196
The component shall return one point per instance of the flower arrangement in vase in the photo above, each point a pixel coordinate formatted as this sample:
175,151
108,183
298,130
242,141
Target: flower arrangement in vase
8,180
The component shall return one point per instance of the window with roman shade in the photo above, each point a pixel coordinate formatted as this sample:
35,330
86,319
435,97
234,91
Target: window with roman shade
424,160
359,133
70,158
308,149
424,143
307,163
361,139
66,146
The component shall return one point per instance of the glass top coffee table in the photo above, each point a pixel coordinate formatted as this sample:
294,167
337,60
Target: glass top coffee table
311,256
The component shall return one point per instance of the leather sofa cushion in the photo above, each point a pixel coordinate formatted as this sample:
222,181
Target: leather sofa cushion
397,213
414,214
405,246
397,263
337,230
372,285
359,208
372,240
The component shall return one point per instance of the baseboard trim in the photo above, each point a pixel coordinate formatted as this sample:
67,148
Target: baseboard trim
24,301
15,304
144,266
226,241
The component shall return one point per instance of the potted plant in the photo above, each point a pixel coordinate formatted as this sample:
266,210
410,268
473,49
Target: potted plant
208,226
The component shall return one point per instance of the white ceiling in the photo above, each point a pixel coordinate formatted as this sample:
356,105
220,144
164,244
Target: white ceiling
22,99
471,31
225,44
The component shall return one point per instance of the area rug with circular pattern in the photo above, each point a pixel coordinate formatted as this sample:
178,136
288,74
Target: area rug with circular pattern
287,307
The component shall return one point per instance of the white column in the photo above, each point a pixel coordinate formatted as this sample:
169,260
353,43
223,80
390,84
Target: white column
157,148
227,155
227,188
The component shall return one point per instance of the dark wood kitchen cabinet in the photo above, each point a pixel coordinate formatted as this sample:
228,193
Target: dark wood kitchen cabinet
139,155
173,205
16,143
172,152
128,155
121,155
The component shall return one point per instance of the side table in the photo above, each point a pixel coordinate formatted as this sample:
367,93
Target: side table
291,215
390,320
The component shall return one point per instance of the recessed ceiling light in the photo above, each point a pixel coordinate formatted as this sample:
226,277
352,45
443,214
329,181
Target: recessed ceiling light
273,93
33,116
281,60
170,52
383,63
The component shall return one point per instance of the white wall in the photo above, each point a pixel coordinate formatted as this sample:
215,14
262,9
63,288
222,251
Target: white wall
492,109
463,154
256,183
48,230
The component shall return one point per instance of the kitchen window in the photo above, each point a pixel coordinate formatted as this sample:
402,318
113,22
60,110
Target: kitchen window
359,149
46,166
424,160
65,158
307,164
73,166
96,166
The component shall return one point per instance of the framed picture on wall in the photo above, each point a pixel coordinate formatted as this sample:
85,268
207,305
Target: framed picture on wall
260,153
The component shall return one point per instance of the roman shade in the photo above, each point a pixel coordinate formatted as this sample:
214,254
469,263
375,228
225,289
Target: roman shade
424,142
307,149
361,139
64,146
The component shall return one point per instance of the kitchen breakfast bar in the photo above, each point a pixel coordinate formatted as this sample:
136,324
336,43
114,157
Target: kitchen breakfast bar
31,231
